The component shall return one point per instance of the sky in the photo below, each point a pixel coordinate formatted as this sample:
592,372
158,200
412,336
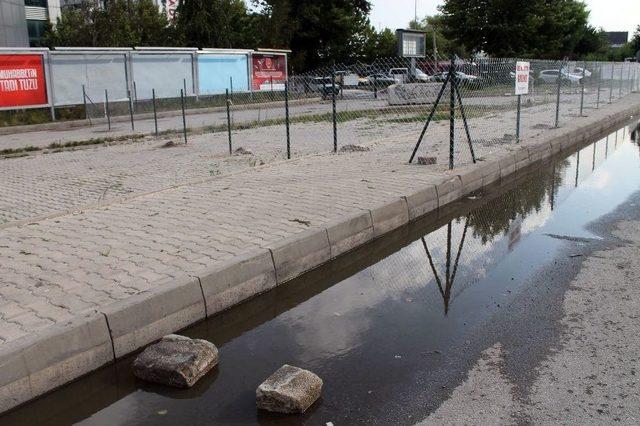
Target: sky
612,15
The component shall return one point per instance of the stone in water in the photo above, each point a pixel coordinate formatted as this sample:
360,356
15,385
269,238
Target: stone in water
289,390
176,361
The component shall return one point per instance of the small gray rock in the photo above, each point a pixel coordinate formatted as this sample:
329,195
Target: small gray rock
426,160
354,148
176,361
289,390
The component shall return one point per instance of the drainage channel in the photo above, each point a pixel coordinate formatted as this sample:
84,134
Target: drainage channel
394,326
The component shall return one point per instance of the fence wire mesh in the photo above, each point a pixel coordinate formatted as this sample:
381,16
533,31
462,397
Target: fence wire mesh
355,106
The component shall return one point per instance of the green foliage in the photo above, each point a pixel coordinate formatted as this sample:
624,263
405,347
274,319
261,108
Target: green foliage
536,28
445,46
121,23
318,32
216,23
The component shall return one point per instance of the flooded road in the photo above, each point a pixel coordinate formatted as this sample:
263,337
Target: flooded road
394,326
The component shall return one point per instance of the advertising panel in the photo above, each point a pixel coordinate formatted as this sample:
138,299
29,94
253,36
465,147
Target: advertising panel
522,78
220,72
22,81
269,71
96,72
166,73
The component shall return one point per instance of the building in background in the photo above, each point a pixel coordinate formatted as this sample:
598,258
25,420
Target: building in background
617,39
23,22
13,28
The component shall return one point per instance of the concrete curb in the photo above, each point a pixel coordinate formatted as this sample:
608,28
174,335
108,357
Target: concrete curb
141,319
240,278
40,362
36,364
299,253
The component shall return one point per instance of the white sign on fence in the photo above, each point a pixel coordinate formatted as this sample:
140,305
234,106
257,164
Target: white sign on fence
522,78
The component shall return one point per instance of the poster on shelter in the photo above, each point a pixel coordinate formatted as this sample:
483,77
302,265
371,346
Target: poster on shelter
269,71
22,81
522,78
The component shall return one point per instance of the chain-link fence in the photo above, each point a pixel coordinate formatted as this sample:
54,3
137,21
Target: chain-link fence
353,107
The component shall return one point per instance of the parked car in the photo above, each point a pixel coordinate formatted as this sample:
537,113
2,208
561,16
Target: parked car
403,75
324,86
460,77
379,79
422,76
578,71
551,77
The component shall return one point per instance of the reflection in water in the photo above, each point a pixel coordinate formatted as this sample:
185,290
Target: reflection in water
449,277
371,322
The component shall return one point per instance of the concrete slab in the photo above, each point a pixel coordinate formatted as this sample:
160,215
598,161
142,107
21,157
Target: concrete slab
449,190
349,232
240,278
389,216
36,364
471,178
299,253
422,202
137,321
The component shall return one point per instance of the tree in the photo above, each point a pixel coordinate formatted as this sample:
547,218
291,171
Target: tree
120,23
215,23
318,32
538,28
445,46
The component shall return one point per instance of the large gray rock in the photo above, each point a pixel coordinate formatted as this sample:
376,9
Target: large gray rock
289,390
176,361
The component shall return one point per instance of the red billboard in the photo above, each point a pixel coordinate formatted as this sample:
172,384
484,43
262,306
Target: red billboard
22,81
269,71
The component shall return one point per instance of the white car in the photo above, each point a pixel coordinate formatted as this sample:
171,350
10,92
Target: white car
551,76
577,71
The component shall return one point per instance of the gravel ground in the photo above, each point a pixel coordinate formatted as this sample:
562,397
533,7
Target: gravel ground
592,376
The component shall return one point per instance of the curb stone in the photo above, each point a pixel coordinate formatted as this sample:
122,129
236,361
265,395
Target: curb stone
389,216
228,283
146,317
299,253
38,363
349,232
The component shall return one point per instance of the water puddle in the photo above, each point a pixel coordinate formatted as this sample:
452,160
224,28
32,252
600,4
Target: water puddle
389,326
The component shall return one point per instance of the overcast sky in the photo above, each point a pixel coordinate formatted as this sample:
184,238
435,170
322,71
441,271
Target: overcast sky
612,15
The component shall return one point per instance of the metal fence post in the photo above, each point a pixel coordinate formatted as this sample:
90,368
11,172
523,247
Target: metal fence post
84,102
228,102
130,108
286,117
599,85
135,96
611,84
518,119
375,87
155,112
621,80
106,108
584,67
231,86
333,105
452,111
558,95
184,119
629,77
